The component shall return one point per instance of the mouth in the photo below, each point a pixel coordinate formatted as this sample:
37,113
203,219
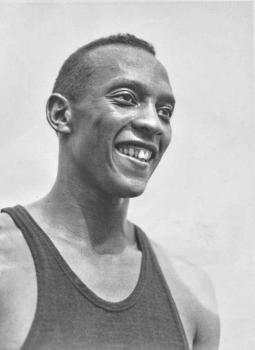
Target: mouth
137,152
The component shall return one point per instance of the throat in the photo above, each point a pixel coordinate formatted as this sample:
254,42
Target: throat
85,216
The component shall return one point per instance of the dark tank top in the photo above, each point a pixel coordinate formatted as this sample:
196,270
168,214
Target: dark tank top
69,316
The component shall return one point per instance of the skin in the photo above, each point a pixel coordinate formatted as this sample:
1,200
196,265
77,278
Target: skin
127,98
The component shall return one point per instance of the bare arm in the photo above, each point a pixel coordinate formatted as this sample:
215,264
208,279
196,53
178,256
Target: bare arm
5,277
207,320
15,296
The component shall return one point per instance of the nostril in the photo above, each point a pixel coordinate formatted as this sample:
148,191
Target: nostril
150,127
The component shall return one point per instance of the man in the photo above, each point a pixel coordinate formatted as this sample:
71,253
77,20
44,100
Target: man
75,273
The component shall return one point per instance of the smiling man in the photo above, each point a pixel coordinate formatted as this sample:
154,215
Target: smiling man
75,273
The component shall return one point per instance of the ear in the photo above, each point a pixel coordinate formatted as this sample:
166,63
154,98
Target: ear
59,113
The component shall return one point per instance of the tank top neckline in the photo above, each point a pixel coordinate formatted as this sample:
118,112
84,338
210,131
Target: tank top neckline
129,301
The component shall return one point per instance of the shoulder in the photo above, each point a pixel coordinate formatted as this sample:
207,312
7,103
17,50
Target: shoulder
8,265
13,251
189,275
194,295
7,247
17,287
7,242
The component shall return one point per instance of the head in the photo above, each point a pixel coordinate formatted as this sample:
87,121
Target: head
111,107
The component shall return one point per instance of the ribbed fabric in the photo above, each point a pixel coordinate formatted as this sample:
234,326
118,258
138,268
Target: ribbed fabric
69,316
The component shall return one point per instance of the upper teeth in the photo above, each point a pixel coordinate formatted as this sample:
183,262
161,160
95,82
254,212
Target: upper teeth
140,153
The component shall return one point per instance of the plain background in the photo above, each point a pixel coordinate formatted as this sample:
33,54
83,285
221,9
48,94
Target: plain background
200,201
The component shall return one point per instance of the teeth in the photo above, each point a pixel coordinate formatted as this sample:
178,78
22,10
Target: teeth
141,154
147,154
131,151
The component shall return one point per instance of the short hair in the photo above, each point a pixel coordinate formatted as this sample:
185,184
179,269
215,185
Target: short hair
75,71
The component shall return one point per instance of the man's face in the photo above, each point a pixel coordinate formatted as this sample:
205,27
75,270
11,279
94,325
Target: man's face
122,124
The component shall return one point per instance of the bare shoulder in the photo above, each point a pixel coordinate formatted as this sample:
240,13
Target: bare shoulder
7,240
194,295
8,249
13,250
17,287
188,274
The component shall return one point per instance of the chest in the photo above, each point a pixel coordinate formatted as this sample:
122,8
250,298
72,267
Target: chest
108,330
110,279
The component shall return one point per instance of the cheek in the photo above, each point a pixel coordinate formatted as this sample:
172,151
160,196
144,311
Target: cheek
166,139
109,122
169,136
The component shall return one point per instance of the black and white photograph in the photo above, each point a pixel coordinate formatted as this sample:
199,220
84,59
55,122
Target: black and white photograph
126,175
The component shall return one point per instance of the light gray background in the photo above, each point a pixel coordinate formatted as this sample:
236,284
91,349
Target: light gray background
200,202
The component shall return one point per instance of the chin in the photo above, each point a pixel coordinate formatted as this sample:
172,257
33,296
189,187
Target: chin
129,189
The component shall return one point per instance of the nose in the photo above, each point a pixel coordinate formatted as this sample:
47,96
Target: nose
147,121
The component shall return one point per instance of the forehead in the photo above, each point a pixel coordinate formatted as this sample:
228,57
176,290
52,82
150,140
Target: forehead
117,61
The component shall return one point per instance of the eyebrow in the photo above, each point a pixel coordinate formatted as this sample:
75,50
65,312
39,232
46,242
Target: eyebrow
140,87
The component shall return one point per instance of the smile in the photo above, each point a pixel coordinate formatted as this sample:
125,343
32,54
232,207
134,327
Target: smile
138,153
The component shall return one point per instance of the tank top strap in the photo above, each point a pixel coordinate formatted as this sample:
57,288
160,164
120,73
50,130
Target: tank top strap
36,241
62,321
32,233
155,266
46,254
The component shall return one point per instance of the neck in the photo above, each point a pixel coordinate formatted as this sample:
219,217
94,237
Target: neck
84,212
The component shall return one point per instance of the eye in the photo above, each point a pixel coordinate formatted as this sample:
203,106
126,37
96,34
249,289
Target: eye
165,112
124,97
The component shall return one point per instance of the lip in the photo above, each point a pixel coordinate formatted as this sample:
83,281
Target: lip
138,143
133,161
